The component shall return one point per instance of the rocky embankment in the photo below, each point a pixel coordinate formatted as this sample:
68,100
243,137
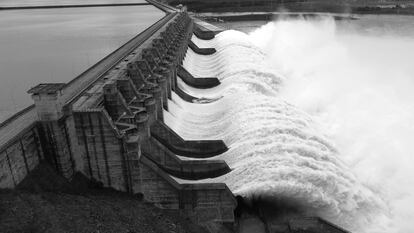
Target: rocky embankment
46,202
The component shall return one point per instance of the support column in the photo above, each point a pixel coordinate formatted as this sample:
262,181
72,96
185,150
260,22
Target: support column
49,106
111,100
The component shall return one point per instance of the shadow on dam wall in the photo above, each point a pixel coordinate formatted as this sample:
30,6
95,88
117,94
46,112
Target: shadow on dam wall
270,216
108,125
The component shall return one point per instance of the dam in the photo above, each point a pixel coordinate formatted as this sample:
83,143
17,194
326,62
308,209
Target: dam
111,123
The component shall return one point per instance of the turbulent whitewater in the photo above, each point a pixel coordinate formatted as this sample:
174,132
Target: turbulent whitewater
278,152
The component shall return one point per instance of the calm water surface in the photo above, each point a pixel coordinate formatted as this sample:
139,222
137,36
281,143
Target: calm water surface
55,45
5,3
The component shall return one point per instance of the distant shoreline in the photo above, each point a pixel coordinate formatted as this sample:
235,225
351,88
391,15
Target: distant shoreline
2,8
266,16
269,16
308,6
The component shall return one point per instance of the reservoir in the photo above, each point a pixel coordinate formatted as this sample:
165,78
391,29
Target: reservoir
56,45
19,3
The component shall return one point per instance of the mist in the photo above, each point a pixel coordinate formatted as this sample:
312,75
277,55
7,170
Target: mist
357,84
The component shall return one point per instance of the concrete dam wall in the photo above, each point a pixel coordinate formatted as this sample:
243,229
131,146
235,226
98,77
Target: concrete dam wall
19,157
111,129
109,124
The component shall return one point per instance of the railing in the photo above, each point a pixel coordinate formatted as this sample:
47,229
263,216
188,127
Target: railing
162,6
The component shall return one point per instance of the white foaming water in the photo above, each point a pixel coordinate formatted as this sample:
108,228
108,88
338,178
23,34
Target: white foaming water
340,151
359,86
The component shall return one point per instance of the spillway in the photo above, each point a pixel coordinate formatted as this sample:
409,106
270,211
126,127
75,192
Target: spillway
276,151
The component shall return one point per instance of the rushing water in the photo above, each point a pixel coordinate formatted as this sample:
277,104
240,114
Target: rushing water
55,45
317,114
